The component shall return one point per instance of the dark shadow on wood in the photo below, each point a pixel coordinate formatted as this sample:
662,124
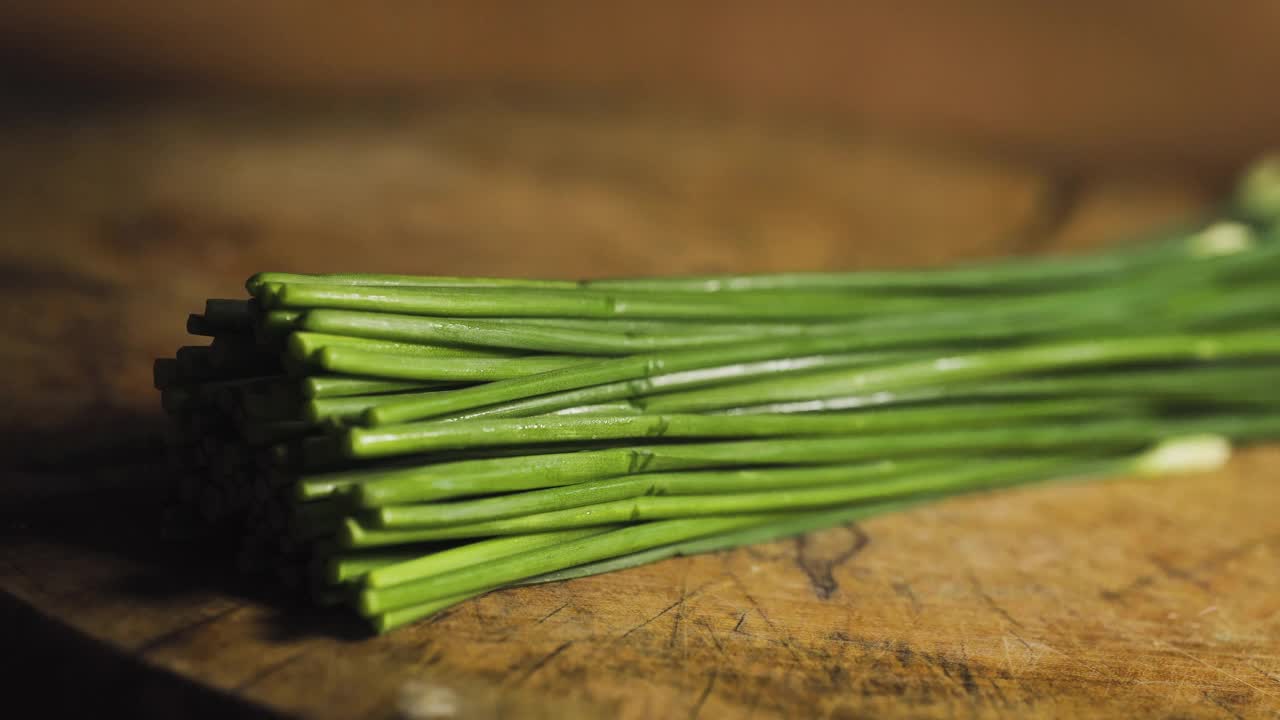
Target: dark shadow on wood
102,482
55,671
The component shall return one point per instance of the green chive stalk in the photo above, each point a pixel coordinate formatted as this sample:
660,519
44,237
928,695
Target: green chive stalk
396,444
425,437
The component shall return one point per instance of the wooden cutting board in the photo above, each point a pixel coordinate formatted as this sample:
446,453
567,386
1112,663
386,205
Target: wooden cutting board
1133,597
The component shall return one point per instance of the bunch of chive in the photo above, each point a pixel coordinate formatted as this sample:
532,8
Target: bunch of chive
399,444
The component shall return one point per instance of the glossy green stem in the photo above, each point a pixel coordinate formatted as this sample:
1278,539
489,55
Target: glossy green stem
577,304
642,368
766,532
411,438
583,398
331,386
502,334
257,281
968,367
973,475
305,346
350,567
1212,385
353,361
476,553
621,488
1032,274
508,569
475,477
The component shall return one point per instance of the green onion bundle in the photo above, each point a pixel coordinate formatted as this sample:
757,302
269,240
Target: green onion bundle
399,444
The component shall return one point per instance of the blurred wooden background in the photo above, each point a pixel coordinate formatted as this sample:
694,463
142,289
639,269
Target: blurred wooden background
1081,83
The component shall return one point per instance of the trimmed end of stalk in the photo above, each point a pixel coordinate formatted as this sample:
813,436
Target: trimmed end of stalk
1257,196
325,357
353,444
299,347
333,571
255,283
306,492
367,603
369,495
1191,453
270,295
380,517
380,624
350,534
1222,238
312,412
374,416
361,496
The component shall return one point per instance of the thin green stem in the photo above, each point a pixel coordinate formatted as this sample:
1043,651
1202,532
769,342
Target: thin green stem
766,532
331,386
1214,385
581,304
1016,273
592,492
476,477
641,368
971,476
667,382
968,367
475,553
430,436
350,567
508,569
258,281
304,346
353,361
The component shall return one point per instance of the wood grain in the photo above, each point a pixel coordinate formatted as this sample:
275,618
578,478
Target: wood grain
1125,598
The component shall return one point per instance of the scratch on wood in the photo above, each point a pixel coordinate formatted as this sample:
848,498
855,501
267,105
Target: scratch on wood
990,601
542,662
784,639
1207,565
903,590
741,619
1119,594
684,594
650,619
1176,573
268,671
551,614
966,672
1216,701
712,633
702,698
1270,676
1215,668
679,601
903,652
1216,560
1008,659
168,637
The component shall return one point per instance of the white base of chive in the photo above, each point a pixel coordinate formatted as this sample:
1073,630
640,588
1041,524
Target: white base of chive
1222,238
1187,454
